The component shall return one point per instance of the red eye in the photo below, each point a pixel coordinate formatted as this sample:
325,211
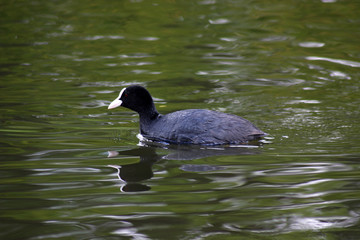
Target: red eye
125,95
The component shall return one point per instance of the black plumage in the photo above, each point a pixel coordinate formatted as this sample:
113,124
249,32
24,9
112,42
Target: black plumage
192,126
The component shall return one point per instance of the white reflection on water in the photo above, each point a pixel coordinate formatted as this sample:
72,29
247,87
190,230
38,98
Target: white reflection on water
149,38
304,223
223,55
340,75
334,60
131,232
100,37
303,101
303,168
217,72
311,44
296,223
219,21
137,63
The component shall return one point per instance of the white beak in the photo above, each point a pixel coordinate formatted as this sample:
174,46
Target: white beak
116,103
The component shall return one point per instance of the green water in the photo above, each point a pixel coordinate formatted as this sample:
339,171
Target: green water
290,67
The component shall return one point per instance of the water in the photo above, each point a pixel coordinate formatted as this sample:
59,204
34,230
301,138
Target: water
291,67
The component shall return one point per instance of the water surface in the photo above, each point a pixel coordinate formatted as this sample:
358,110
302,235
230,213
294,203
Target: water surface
290,67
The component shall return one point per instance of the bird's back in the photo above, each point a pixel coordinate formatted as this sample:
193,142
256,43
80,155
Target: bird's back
200,126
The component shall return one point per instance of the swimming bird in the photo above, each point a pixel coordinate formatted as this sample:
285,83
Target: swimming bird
191,126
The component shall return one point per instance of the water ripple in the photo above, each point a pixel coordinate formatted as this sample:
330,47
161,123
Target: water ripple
303,101
149,38
73,230
223,55
135,55
334,60
311,44
310,168
317,223
99,37
219,21
107,84
132,233
296,223
94,104
217,72
137,63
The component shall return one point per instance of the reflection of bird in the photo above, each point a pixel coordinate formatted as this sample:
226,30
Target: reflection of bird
118,168
139,171
132,174
193,126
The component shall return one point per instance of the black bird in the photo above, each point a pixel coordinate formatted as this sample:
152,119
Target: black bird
192,126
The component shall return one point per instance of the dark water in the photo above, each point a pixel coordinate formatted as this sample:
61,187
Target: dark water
291,67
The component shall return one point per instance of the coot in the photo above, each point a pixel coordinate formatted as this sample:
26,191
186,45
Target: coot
192,126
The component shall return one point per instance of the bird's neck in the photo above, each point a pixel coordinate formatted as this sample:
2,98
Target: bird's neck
146,118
